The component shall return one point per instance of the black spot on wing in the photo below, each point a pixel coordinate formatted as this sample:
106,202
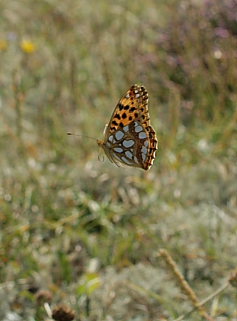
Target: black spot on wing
120,106
117,116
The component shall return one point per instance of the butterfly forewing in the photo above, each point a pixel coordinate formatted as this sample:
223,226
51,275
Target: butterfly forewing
129,139
133,105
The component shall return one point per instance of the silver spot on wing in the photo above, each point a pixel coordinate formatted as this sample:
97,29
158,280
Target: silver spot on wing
111,138
128,154
128,143
144,150
142,135
138,129
118,149
125,128
119,135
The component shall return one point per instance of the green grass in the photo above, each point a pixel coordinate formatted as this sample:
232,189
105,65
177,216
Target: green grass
85,230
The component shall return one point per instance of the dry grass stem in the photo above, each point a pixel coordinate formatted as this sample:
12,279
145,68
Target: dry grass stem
184,284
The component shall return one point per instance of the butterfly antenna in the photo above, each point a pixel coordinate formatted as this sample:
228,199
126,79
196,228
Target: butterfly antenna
72,134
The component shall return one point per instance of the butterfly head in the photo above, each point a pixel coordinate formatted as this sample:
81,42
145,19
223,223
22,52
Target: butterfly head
107,148
100,142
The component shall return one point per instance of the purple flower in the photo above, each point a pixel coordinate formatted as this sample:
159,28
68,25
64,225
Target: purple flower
222,32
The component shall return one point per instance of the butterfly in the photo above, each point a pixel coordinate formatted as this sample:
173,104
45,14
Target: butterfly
129,138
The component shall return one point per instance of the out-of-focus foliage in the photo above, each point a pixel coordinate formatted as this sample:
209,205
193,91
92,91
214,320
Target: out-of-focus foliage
82,232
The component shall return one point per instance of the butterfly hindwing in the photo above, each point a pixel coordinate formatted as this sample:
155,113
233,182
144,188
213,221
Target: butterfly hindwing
129,145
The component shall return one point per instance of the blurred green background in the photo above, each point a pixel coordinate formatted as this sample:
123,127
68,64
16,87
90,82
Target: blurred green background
82,232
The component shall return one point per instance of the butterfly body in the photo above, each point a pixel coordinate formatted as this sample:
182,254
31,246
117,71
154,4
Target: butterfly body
129,138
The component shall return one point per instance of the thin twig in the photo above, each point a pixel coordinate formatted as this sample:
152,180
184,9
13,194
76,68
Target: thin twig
184,284
209,298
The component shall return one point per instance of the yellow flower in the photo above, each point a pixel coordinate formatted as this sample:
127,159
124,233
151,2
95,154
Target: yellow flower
28,46
3,44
